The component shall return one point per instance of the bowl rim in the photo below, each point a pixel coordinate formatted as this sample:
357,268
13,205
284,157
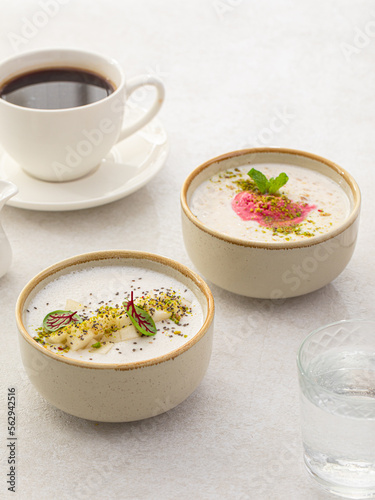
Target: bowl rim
112,255
315,240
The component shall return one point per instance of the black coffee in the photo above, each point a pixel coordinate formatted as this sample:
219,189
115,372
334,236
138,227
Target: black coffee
56,88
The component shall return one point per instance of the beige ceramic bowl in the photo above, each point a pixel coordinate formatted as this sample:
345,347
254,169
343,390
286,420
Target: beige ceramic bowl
277,269
118,392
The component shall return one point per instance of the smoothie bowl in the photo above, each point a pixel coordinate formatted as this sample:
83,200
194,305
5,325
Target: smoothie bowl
115,336
270,223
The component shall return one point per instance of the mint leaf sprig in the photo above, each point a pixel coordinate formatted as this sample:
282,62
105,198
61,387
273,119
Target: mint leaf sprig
268,186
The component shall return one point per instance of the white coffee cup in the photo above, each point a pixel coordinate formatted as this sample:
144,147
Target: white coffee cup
66,144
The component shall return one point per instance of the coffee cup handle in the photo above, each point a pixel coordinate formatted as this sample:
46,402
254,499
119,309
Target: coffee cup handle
134,84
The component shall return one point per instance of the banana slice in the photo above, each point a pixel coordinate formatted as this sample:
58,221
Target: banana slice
78,338
159,315
73,305
122,320
56,337
127,333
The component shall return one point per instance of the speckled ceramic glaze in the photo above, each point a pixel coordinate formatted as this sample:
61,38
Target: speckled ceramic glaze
276,269
118,392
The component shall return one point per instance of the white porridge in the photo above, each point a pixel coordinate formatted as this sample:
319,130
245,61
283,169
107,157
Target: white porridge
309,204
101,329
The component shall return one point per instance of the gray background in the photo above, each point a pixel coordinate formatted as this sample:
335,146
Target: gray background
230,68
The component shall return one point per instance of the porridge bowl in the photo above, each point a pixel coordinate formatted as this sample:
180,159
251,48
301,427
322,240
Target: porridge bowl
270,223
115,336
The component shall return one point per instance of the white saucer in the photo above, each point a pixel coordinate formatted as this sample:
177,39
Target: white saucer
129,166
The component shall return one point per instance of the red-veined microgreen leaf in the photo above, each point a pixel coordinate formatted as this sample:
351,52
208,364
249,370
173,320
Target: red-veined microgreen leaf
140,318
58,319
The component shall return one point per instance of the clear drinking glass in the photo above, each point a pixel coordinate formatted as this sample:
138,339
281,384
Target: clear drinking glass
336,367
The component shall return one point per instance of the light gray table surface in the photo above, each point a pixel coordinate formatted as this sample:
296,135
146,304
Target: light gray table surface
232,69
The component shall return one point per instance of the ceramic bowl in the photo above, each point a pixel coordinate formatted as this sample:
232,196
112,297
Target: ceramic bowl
276,269
125,391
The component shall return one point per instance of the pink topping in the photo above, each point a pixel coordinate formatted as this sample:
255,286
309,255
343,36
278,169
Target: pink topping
269,210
